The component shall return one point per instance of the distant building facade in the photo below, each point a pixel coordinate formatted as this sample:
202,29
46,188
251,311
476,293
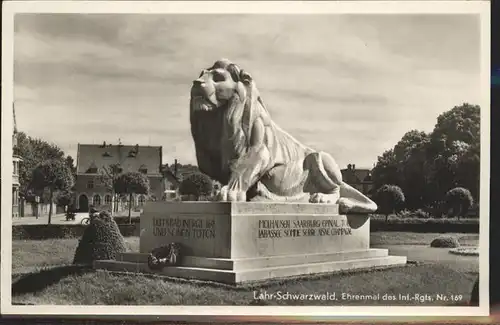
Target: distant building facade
16,160
171,182
94,160
360,179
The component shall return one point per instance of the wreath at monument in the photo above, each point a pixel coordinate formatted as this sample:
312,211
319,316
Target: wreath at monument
169,255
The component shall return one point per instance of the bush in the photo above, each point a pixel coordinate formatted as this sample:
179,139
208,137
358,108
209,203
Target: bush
457,202
122,220
421,214
196,184
419,225
404,214
101,240
388,199
445,242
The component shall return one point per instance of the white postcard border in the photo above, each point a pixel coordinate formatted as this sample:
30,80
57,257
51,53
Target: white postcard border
10,8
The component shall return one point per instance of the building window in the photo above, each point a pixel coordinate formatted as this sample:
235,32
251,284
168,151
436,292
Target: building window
96,200
90,184
143,169
142,200
15,168
107,199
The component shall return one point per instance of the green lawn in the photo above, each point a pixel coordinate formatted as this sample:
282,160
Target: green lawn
34,282
76,287
38,253
28,254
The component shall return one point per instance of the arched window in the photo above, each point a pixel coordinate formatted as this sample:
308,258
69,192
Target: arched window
142,200
96,200
107,199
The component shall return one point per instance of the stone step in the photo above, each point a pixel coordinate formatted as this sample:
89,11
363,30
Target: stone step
263,262
256,274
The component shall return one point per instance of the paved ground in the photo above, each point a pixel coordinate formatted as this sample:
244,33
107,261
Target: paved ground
423,253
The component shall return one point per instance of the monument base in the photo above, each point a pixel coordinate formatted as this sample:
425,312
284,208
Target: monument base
256,269
235,242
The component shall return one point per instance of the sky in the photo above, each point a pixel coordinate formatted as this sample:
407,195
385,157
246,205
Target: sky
350,85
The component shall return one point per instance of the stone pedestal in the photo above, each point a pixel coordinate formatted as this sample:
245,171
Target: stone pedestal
236,242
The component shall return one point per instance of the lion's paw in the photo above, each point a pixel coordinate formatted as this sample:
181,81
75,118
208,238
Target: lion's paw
322,198
227,195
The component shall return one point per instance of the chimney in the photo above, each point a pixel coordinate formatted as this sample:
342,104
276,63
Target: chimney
349,166
353,167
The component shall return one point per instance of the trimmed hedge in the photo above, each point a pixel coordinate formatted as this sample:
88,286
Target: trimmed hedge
41,232
122,220
101,240
425,225
445,242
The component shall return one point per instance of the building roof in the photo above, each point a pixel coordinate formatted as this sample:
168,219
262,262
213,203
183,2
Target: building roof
92,157
356,176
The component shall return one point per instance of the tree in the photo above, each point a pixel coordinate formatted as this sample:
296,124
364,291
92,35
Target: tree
197,184
33,152
70,162
458,201
108,176
131,183
426,166
64,198
411,156
388,199
386,170
53,175
454,148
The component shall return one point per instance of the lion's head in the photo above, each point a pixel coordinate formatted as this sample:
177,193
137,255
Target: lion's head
223,104
218,85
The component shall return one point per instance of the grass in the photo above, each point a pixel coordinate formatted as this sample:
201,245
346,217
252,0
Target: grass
27,254
86,287
34,282
39,253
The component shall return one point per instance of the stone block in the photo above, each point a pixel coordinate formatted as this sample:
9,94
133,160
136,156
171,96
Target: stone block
236,242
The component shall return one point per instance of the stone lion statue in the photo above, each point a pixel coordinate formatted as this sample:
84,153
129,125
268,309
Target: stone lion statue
239,145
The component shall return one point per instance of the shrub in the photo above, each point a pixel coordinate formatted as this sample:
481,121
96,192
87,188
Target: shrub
404,214
101,240
457,202
196,184
388,199
421,214
445,242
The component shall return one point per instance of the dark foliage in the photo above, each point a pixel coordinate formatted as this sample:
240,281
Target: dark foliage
457,202
445,242
389,198
101,240
196,184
